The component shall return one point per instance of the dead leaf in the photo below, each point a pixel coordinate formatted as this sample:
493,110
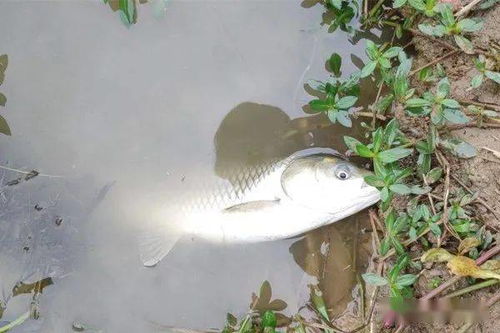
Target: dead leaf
492,265
436,255
467,244
464,266
461,265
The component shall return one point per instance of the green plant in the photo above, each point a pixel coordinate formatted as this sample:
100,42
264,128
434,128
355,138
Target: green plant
449,26
429,8
337,96
379,58
482,114
399,284
439,107
127,9
340,14
480,64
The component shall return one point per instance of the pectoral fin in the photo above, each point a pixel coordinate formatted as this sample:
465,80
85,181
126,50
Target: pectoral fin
252,206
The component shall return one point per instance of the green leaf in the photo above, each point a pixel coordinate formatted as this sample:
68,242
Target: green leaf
371,49
398,3
332,115
417,102
378,136
3,99
269,319
368,69
447,15
336,3
415,189
469,25
464,44
406,280
392,52
443,88
426,29
319,302
385,246
334,63
477,80
343,118
394,154
374,279
374,181
351,143
434,175
346,102
451,103
455,116
391,130
384,103
495,76
363,150
384,62
459,148
319,105
424,162
4,127
417,4
436,230
400,189
384,194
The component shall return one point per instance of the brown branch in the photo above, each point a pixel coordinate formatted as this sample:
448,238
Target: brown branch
467,8
449,54
472,124
484,105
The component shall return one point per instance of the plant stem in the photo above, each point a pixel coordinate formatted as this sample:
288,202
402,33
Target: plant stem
449,54
370,115
18,321
474,287
467,8
375,8
484,105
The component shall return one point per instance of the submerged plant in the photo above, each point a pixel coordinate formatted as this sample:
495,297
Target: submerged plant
4,61
127,9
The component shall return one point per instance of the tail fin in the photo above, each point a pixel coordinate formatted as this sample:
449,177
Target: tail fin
156,242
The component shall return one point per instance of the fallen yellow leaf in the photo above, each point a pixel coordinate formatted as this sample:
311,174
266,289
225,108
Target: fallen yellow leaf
436,255
467,244
461,265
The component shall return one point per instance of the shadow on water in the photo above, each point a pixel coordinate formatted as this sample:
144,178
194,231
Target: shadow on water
254,134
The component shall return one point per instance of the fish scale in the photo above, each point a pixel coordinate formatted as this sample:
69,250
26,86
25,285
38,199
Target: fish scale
224,192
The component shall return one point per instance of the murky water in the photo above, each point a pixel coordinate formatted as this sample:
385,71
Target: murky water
115,118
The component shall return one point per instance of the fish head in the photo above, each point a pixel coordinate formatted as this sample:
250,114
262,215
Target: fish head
328,183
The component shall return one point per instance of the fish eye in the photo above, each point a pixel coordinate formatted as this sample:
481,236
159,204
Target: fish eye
342,173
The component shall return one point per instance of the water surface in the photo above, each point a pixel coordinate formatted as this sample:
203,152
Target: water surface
116,118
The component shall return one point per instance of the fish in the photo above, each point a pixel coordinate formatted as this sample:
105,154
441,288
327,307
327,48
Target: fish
280,200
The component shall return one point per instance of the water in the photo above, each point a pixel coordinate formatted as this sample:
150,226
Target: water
120,117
